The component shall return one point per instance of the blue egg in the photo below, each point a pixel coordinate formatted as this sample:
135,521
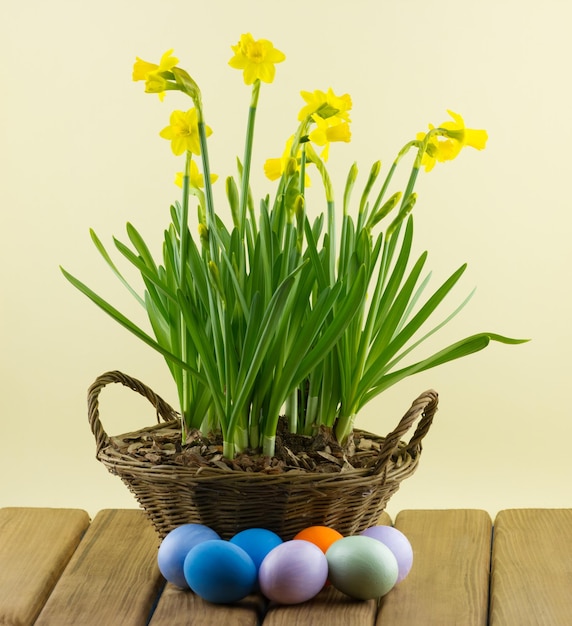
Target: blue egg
175,547
220,572
257,542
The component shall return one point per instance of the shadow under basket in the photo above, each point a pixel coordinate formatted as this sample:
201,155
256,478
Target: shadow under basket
229,501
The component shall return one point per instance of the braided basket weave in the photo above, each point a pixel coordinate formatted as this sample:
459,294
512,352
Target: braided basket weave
232,500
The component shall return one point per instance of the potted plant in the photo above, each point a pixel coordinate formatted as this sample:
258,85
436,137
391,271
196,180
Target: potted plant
280,326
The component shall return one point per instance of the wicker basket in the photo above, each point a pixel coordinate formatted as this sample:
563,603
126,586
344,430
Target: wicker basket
231,500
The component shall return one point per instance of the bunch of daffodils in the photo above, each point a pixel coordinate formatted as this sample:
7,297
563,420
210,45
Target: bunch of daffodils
275,314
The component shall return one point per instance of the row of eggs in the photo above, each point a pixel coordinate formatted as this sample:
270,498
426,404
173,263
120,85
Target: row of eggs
362,566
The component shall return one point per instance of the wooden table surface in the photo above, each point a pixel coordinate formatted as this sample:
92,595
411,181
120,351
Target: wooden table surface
59,568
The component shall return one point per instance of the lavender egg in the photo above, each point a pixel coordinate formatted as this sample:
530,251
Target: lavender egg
293,572
398,543
175,547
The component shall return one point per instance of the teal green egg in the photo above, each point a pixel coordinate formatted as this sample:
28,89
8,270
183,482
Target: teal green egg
362,567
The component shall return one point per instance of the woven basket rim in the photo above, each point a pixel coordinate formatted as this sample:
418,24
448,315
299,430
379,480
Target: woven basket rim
422,410
112,457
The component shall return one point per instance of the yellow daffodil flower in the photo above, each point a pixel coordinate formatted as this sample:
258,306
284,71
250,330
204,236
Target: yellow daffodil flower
274,168
446,146
183,132
196,179
460,136
151,73
317,99
328,130
256,59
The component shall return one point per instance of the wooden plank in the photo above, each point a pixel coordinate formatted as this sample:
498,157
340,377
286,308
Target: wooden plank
177,606
329,608
532,568
35,546
112,577
448,583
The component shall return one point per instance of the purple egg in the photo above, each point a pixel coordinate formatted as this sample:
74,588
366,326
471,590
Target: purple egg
398,543
175,547
293,572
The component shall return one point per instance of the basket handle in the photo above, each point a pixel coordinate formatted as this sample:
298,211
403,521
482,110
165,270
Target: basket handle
164,411
425,406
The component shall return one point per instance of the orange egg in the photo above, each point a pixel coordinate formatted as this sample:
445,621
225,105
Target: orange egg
321,536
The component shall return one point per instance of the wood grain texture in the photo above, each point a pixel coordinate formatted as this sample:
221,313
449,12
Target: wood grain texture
183,607
112,577
329,608
35,546
448,583
532,568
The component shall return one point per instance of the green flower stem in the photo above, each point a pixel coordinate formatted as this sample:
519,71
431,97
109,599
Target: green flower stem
184,232
228,449
248,155
241,439
254,429
410,186
211,215
268,445
292,411
343,428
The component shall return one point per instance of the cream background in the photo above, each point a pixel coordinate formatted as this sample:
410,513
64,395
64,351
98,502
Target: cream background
79,148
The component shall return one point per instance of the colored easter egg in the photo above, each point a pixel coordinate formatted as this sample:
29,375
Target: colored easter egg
257,542
362,567
219,571
175,547
322,536
398,543
293,572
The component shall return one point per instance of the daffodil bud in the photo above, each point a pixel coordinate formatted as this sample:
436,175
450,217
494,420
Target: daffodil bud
350,181
373,174
204,235
233,200
216,279
403,213
352,174
291,167
385,209
299,207
375,169
155,83
188,85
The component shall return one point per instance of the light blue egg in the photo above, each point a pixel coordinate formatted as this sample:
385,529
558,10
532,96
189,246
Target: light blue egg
175,547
